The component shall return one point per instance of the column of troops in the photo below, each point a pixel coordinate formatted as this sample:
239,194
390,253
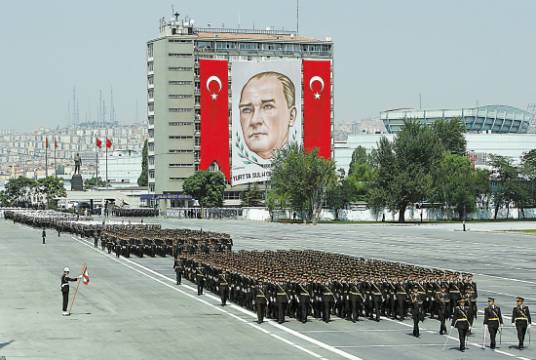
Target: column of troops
299,284
135,212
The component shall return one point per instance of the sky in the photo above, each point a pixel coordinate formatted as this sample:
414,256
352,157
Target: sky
454,53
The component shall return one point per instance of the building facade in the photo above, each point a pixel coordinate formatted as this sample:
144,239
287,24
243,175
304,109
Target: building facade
174,92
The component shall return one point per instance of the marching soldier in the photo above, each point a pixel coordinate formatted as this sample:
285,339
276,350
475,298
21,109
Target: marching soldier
305,303
200,279
443,301
416,312
260,303
327,299
44,235
282,302
461,322
65,289
177,266
521,319
224,289
492,320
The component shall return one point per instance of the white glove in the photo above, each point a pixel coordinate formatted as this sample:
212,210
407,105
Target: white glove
79,276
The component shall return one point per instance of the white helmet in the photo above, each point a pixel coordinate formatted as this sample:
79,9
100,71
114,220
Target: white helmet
66,269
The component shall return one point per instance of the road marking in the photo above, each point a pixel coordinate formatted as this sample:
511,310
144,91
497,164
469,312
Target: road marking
195,297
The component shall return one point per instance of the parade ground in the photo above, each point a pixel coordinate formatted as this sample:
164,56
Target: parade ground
132,308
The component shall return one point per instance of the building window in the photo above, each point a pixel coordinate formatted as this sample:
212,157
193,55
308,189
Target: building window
151,174
180,68
151,120
180,165
150,106
179,123
180,137
172,82
231,195
151,160
177,151
151,146
150,65
180,55
151,187
197,141
150,79
151,133
180,110
197,126
179,96
150,50
150,93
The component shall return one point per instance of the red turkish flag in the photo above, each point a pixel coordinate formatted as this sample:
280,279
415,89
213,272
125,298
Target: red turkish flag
108,143
98,142
317,106
213,81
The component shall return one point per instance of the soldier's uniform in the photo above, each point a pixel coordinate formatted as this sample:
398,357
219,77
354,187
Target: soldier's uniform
417,313
44,235
260,303
65,289
200,280
224,289
521,319
493,320
177,266
461,322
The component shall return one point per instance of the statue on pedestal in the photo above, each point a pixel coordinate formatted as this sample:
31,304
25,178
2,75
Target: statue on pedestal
77,164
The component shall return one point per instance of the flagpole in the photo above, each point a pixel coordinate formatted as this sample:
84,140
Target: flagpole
84,267
46,157
106,161
55,166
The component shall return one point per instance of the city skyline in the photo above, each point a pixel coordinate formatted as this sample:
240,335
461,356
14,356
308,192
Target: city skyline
383,60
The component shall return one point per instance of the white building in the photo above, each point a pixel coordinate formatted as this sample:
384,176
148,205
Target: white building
482,145
124,166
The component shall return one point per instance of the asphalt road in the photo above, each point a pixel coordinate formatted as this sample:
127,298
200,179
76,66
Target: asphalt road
132,309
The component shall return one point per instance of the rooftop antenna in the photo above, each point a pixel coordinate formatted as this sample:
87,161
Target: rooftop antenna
297,16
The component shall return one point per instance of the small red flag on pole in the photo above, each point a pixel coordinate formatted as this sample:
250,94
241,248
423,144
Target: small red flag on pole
108,143
98,142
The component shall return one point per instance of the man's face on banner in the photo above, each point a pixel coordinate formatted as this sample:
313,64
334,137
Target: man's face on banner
265,115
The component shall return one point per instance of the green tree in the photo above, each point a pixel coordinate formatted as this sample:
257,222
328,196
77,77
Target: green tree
457,183
4,200
207,187
94,182
508,187
50,187
252,197
340,195
304,178
143,180
451,134
404,168
275,201
17,190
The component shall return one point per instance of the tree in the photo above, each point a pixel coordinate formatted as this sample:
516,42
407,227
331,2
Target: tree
252,197
207,187
303,177
4,200
508,187
340,195
275,201
94,182
143,180
18,190
359,159
457,183
451,135
404,168
50,188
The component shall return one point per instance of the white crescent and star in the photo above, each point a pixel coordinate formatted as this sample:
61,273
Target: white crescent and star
319,80
214,95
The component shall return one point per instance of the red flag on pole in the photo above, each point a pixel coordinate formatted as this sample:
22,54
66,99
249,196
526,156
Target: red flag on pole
85,277
98,142
46,142
108,143
55,143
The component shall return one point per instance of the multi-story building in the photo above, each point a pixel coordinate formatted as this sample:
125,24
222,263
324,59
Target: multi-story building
173,92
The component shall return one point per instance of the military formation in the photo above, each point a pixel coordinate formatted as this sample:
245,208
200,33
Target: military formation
135,212
298,284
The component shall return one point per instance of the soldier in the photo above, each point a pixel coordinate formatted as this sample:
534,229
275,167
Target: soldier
282,302
65,289
327,300
200,279
260,303
461,322
177,266
377,299
416,311
224,289
443,301
304,300
521,319
492,320
44,235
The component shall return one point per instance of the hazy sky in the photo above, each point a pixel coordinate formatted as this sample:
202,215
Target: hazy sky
454,52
